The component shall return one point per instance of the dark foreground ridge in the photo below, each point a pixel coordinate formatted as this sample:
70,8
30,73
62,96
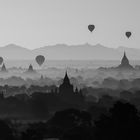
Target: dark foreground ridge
69,113
118,123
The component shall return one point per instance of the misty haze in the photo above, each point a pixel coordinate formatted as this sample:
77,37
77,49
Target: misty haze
69,70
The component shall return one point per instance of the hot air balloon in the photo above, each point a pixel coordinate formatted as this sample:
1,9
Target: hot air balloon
1,60
128,34
40,59
91,27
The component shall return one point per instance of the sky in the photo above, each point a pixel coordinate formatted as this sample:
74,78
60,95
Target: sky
37,23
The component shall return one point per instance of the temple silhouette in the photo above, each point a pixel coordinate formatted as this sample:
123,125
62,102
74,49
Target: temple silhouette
68,94
125,63
3,68
30,69
66,86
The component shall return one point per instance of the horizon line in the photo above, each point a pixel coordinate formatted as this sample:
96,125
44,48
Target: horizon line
68,45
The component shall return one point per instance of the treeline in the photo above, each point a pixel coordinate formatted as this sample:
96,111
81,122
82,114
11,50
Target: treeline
120,121
120,84
87,114
40,102
38,105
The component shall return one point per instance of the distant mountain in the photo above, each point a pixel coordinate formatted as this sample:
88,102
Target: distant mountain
80,52
69,52
13,51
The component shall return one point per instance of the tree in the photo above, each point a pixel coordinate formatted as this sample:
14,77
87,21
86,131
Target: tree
122,124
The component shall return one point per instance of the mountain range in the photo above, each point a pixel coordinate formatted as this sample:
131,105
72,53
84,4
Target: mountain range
69,52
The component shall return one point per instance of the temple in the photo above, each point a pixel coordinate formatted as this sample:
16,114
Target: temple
68,94
125,63
30,69
3,68
66,87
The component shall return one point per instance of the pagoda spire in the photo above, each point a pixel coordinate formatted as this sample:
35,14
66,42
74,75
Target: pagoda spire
66,78
125,63
124,54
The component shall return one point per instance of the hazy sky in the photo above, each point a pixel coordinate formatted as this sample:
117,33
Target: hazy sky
37,23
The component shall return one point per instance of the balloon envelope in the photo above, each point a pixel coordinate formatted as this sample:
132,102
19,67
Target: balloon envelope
40,59
1,60
128,34
91,27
